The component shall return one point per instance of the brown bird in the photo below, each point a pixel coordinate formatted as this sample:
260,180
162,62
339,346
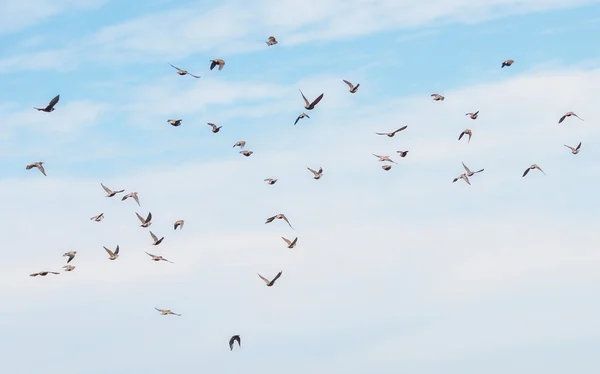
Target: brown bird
317,174
386,167
272,281
158,258
311,106
353,88
157,241
279,216
216,62
110,193
134,195
175,122
507,63
271,41
291,244
303,115
534,166
215,129
391,134
574,150
38,165
402,153
568,114
466,132
469,172
164,312
463,177
437,97
97,218
246,153
69,267
43,273
472,115
112,255
50,107
145,222
241,144
235,338
270,181
70,255
183,72
178,223
384,158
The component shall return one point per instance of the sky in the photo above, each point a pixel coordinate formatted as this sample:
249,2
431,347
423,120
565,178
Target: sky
394,271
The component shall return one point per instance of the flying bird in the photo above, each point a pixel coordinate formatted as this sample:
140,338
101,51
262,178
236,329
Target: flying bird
112,255
235,338
43,273
272,281
70,255
164,312
311,106
270,181
386,167
469,172
145,222
574,150
134,195
216,62
110,193
391,134
246,153
39,165
437,97
568,114
97,218
507,63
466,132
69,267
402,153
50,107
179,223
384,158
353,88
271,41
317,174
215,128
183,72
291,244
175,122
534,166
464,177
279,216
472,115
241,144
157,241
157,258
303,115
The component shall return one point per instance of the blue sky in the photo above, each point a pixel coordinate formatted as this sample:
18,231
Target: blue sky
393,271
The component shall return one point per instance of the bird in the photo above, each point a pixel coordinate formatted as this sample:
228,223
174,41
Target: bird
43,273
183,72
215,129
179,223
279,216
533,166
241,144
464,177
507,63
466,132
69,267
384,158
272,281
311,106
568,114
271,41
270,181
303,115
39,165
112,255
158,258
216,62
235,338
175,122
574,150
70,255
469,172
164,312
145,222
157,241
98,218
110,193
353,88
134,195
317,174
472,115
50,107
246,153
291,244
437,97
391,134
402,153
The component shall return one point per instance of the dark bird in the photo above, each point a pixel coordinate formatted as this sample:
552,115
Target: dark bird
271,41
272,281
466,132
179,223
246,153
391,134
145,222
279,216
402,153
303,115
317,174
437,97
175,122
532,167
38,165
464,177
507,63
235,338
311,106
110,193
215,128
50,107
353,88
574,150
290,243
568,114
157,241
216,62
43,273
472,115
184,72
469,172
71,255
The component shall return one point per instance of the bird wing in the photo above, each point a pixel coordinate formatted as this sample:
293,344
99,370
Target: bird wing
562,118
313,171
540,169
263,278
304,97
287,241
153,236
466,168
140,217
466,179
212,64
53,102
276,277
117,250
381,133
109,251
195,76
297,119
579,146
137,199
571,148
295,241
270,219
41,168
525,173
348,83
149,218
317,100
286,220
400,129
461,135
178,69
108,190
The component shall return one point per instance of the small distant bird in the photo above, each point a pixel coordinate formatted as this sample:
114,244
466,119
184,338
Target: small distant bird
272,281
534,166
507,63
402,153
271,41
157,241
145,222
50,107
466,132
241,144
353,88
69,267
157,258
386,167
216,62
311,106
110,193
70,255
568,114
384,158
38,165
303,115
464,177
437,97
472,115
317,174
43,273
175,122
279,216
184,72
235,338
112,255
98,218
134,195
574,150
391,134
246,153
179,223
164,312
291,244
270,181
215,128
469,172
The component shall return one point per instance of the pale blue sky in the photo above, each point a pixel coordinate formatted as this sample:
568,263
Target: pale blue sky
399,271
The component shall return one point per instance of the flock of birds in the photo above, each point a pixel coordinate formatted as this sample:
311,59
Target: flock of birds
317,174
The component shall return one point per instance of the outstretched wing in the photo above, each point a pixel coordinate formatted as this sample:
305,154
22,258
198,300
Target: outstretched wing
348,83
53,102
317,100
